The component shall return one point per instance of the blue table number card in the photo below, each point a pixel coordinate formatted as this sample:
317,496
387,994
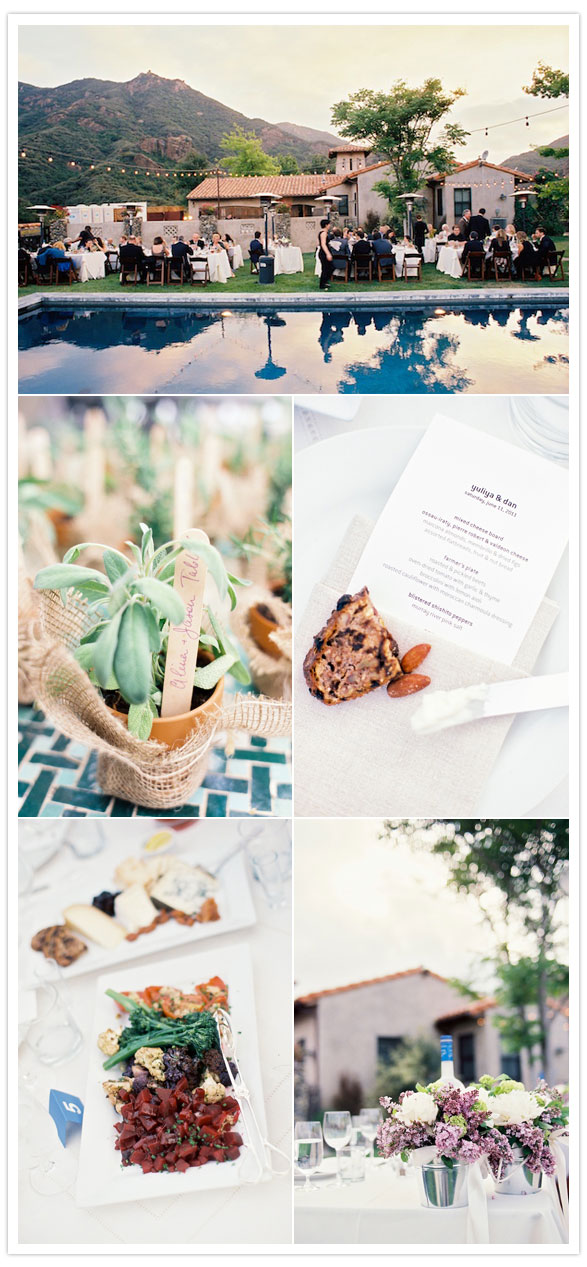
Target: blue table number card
65,1109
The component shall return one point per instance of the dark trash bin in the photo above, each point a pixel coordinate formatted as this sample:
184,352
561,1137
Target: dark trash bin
266,270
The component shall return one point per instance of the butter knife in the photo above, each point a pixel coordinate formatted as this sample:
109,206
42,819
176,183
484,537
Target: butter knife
439,710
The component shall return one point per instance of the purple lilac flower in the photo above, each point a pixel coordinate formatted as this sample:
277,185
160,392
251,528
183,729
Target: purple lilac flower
470,1152
448,1139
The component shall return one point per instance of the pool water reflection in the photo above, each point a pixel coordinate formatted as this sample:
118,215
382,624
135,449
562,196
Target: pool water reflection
520,349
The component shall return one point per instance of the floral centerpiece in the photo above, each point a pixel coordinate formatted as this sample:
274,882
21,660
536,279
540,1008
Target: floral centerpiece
525,1120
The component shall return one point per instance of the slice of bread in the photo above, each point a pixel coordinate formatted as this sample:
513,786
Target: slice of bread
353,654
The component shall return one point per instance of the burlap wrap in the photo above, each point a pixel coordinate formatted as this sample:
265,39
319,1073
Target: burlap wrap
271,677
145,773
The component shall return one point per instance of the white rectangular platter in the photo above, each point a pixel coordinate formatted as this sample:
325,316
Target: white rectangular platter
84,880
102,1180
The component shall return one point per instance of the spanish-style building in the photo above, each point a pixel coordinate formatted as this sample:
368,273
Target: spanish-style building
347,1031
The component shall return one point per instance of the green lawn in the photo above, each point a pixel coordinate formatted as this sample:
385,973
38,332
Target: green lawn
295,283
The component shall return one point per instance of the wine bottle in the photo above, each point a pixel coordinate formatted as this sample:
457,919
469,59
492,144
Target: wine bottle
447,1068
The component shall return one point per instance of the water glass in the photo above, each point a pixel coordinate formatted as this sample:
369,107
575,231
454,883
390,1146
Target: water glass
308,1150
370,1119
53,1036
87,838
337,1129
267,870
350,1165
542,423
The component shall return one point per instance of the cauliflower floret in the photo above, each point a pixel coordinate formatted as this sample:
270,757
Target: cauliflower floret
151,1058
113,1089
108,1041
213,1090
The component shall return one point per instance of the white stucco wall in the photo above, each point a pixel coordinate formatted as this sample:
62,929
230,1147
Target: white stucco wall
489,188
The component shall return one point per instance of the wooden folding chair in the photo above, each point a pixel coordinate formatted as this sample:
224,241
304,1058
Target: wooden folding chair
476,260
64,275
555,265
156,270
502,266
340,270
200,270
412,268
385,264
363,266
175,271
129,271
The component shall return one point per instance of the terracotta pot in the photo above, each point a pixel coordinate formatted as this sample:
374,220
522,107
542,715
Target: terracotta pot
62,525
173,731
260,628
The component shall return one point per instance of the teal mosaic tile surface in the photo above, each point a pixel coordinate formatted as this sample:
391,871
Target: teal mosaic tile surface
57,779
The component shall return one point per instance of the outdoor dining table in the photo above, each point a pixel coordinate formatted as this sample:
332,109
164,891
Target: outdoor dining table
219,265
429,250
449,259
288,259
89,265
385,1209
237,257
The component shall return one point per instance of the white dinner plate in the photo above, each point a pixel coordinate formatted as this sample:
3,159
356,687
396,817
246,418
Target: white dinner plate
354,473
102,1180
88,878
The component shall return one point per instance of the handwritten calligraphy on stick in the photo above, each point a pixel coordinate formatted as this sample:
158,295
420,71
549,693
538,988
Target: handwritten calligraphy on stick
182,648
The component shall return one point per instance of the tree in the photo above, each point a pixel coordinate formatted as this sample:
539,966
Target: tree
317,164
550,202
398,125
348,1096
518,991
288,164
522,865
245,154
414,1060
547,82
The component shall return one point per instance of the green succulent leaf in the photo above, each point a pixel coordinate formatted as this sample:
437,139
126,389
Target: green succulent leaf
140,719
115,564
84,654
163,597
207,675
240,672
64,576
132,658
154,630
105,648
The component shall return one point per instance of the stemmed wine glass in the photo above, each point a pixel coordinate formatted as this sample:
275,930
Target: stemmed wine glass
309,1149
338,1129
369,1122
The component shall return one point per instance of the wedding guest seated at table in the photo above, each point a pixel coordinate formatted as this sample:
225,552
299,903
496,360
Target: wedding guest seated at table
382,246
338,244
526,260
228,245
511,231
442,234
455,235
361,251
473,249
216,242
131,255
56,253
159,247
479,224
256,250
181,250
499,252
545,247
430,231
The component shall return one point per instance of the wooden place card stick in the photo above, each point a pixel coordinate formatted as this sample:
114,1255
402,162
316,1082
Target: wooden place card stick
182,648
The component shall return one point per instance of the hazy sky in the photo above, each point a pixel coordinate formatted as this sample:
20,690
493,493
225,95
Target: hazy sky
296,73
364,908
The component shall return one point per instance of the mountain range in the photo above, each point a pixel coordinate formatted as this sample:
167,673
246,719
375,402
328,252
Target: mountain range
139,125
529,161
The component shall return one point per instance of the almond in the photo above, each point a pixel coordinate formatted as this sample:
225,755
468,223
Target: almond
413,658
407,685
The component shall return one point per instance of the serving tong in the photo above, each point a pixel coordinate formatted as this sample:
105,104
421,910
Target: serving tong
258,1144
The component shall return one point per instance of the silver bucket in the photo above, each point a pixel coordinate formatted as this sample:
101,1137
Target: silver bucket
516,1180
444,1187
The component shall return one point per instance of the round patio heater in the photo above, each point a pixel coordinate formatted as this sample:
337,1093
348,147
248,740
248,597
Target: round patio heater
409,200
328,200
266,261
42,208
523,195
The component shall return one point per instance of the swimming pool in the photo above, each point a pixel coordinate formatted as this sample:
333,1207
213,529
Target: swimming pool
508,347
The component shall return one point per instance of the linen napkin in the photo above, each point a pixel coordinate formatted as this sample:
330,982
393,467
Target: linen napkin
361,758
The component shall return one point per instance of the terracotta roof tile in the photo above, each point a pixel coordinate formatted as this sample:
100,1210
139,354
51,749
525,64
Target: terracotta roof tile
464,167
245,186
475,1008
359,170
358,985
349,149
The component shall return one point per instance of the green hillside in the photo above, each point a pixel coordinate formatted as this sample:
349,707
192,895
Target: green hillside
147,125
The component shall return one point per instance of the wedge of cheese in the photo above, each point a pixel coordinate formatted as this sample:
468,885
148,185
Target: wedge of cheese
134,909
183,888
95,925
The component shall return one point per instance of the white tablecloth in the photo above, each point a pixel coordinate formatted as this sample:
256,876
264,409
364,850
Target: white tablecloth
429,250
237,257
288,259
89,264
449,259
249,1214
385,1210
219,265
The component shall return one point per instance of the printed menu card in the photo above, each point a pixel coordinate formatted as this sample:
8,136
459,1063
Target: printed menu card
469,540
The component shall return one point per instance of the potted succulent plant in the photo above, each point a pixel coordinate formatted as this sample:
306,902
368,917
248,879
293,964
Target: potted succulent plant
132,607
